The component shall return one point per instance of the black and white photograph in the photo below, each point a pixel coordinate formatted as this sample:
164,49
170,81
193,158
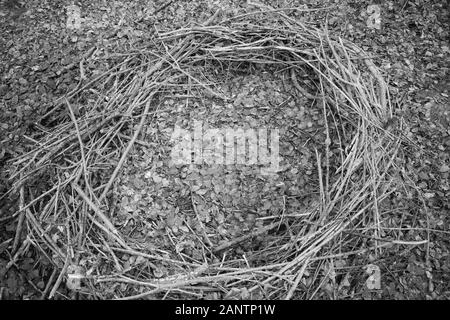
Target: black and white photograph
224,158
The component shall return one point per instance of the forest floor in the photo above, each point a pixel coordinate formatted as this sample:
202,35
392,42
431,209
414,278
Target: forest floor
40,49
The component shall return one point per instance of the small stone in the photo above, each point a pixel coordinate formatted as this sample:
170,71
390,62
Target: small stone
3,90
423,175
444,168
41,285
23,81
51,83
156,178
429,195
138,183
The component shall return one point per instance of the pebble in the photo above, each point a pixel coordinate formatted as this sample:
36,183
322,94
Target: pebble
3,90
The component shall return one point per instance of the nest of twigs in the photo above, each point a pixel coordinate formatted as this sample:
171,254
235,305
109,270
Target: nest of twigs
78,152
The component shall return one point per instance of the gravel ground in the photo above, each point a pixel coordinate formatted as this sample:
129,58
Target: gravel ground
40,47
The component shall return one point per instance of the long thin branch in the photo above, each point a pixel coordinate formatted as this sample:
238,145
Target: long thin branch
128,149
